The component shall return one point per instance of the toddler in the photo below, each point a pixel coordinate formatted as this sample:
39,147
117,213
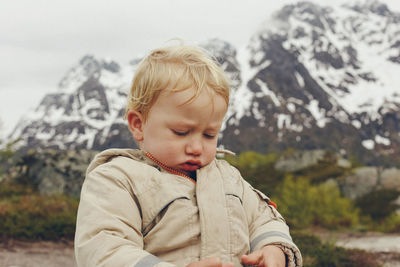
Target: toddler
172,203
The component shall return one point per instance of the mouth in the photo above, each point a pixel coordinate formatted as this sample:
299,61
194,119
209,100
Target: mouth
191,165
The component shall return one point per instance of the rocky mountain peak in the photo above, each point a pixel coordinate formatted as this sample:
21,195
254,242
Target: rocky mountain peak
226,54
312,77
219,48
89,67
306,12
370,6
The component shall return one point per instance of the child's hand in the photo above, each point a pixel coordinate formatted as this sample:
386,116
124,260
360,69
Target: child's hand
268,256
210,262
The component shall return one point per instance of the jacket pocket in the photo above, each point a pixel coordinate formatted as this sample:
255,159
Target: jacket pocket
169,217
158,213
155,201
239,230
175,229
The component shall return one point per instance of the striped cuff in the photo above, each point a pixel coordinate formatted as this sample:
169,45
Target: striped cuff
148,261
258,239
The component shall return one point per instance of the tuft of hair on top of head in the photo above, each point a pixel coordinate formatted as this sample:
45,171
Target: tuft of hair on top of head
175,68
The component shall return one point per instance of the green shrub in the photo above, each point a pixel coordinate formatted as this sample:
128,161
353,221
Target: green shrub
9,189
303,204
6,153
33,216
258,170
390,224
378,204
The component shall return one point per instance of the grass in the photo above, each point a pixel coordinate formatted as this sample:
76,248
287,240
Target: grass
26,215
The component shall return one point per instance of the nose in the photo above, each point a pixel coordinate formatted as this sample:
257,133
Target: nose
194,147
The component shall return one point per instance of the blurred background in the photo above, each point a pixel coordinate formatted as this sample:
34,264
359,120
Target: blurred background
314,116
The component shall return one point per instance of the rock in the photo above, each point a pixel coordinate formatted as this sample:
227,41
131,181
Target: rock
344,163
52,171
51,182
390,179
299,160
361,182
302,159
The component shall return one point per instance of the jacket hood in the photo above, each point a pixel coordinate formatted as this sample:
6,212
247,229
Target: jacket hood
135,154
107,155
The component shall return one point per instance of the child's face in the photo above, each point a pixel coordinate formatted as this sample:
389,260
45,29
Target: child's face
182,136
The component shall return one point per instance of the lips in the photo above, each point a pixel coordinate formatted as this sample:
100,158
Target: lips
191,165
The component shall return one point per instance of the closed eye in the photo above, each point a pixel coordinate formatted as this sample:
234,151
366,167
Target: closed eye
209,136
180,133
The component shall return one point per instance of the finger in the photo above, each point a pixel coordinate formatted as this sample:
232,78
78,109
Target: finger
252,258
212,262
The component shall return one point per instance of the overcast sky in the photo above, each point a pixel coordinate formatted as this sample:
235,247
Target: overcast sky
40,40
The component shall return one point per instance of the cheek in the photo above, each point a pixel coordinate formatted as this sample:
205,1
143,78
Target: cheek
166,147
210,150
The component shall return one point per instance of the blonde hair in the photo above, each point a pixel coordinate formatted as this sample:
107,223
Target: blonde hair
175,68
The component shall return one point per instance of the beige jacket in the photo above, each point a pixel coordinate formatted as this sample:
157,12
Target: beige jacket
133,213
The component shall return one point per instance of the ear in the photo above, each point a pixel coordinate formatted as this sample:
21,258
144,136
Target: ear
135,121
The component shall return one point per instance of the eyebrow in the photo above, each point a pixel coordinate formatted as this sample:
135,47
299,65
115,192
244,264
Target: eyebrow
182,124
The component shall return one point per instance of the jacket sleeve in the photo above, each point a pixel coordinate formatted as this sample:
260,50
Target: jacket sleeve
267,226
108,230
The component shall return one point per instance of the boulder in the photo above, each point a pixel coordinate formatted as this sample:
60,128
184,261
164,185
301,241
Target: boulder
51,171
390,179
299,160
302,159
362,181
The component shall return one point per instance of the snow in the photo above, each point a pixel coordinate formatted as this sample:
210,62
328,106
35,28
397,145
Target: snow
318,114
300,79
285,121
110,79
356,124
73,136
291,107
267,92
369,96
73,80
41,135
382,140
296,101
368,144
258,56
240,102
257,114
373,46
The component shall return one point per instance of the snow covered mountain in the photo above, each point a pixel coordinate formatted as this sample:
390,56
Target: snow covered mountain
310,77
317,77
87,111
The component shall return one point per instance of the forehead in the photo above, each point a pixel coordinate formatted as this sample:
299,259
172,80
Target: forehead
190,97
187,104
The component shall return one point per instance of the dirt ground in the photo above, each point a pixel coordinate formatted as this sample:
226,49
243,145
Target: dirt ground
386,247
61,254
39,253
